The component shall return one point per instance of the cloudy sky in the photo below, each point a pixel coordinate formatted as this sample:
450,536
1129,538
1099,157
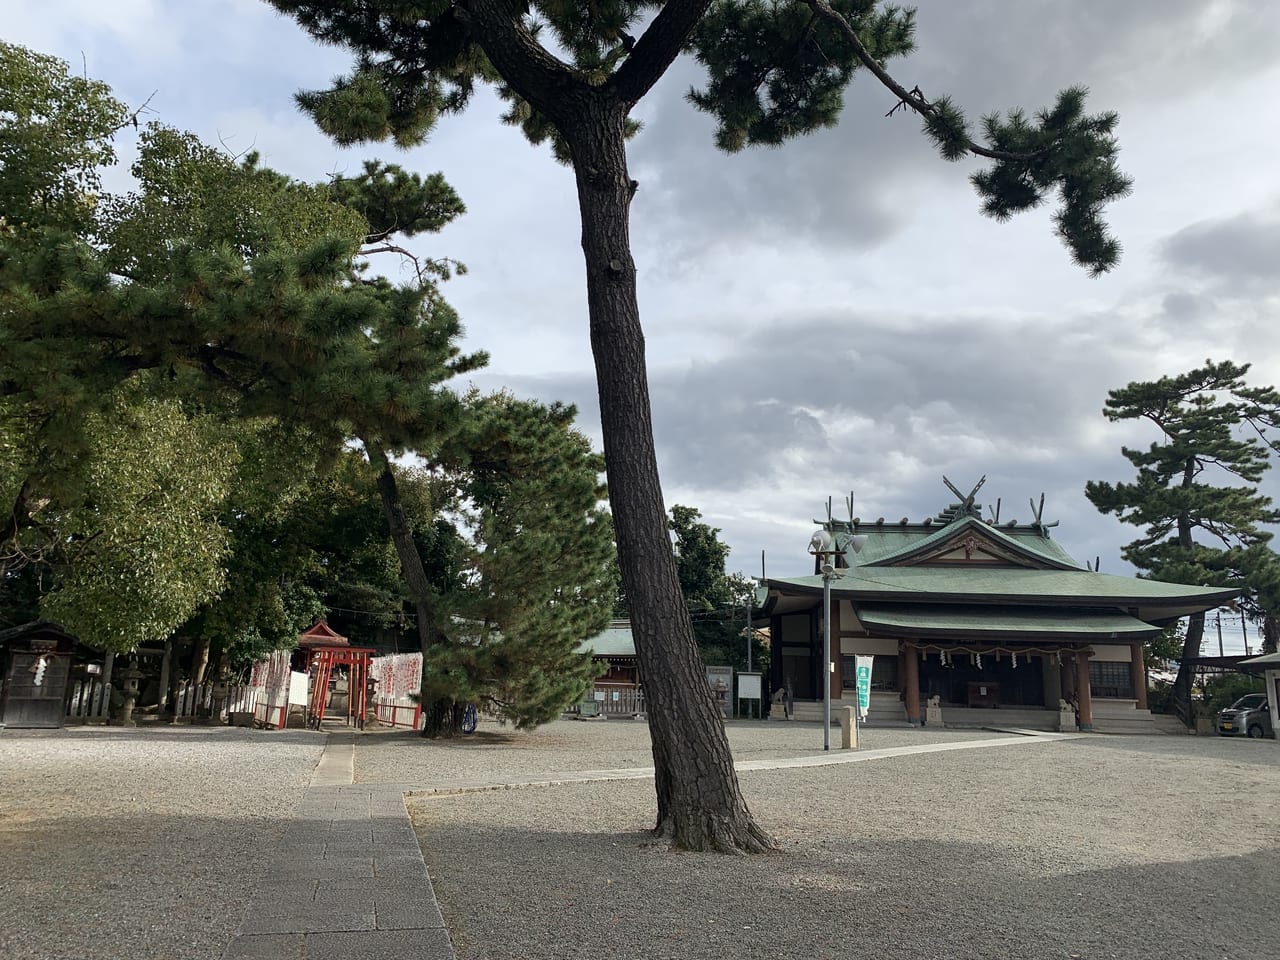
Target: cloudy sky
834,315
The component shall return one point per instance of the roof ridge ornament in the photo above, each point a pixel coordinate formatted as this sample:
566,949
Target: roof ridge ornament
1039,523
967,507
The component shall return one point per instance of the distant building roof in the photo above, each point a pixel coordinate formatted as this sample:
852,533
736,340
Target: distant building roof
1271,660
616,642
322,635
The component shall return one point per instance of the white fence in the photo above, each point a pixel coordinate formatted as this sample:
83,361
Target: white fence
199,701
89,700
619,699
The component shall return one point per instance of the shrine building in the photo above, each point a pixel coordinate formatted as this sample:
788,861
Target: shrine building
972,622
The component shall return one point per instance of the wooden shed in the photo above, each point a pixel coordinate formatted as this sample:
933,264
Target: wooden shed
35,663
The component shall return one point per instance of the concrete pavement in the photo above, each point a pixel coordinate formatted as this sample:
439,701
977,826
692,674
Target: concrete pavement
348,879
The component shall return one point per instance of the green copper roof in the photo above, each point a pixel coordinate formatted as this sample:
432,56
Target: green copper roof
614,642
892,543
1005,584
1020,622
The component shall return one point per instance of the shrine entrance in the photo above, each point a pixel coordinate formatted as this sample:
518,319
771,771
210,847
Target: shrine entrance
337,677
327,673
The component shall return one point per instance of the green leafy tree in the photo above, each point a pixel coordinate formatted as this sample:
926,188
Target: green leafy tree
1195,492
56,132
572,74
717,600
273,557
215,282
143,547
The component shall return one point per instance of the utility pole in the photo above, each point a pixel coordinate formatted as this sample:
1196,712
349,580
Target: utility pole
1218,617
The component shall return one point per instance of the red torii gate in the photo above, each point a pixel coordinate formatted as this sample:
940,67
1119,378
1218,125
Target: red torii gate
327,649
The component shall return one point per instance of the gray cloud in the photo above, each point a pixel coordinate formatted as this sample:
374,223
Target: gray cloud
1234,251
936,388
855,186
832,314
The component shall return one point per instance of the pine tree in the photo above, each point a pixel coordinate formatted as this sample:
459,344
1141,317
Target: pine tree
538,579
1213,427
218,284
572,74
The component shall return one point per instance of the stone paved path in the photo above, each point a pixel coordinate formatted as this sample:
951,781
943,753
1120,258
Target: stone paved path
348,880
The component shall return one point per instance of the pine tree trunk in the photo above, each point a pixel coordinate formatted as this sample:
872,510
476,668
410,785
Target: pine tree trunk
700,804
1186,669
1181,696
440,715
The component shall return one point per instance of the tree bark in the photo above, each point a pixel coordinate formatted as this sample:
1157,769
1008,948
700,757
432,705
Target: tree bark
166,668
199,661
411,568
700,804
1181,696
441,716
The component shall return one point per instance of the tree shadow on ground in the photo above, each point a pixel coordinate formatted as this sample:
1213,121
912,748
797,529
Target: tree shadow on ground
550,893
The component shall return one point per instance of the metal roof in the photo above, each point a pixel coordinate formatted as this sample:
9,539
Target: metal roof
1024,622
895,544
1266,660
924,583
616,641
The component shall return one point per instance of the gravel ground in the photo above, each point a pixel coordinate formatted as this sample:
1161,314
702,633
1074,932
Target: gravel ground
139,843
497,753
144,844
1133,847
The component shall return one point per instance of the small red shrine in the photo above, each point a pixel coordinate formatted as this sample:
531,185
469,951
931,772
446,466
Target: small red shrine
328,654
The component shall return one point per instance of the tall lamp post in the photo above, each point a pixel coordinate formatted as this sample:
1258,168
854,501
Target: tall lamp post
823,546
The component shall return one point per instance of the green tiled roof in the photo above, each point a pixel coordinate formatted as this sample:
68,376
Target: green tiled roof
941,583
614,642
920,621
887,543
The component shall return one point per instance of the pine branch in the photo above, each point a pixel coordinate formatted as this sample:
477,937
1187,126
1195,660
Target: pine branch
657,48
527,67
912,98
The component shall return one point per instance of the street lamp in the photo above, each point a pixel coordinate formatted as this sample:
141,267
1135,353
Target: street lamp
823,546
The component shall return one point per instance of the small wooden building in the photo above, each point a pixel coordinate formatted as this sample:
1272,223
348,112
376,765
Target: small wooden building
617,689
35,668
990,623
614,651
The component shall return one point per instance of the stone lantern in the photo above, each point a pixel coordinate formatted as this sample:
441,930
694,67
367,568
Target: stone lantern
129,677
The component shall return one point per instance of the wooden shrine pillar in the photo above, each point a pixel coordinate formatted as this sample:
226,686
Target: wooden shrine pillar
1067,676
911,684
1138,675
1084,711
836,671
